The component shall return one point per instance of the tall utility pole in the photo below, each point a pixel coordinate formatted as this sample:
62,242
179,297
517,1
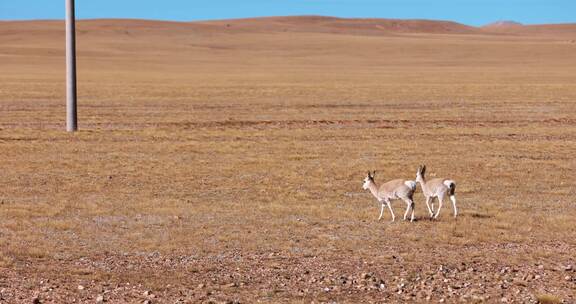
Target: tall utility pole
71,113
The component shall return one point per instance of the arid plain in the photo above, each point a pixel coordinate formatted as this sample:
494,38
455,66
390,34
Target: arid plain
223,161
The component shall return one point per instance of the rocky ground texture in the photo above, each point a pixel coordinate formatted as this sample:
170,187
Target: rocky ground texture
275,277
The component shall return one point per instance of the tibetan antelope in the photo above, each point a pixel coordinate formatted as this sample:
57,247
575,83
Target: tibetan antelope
436,188
392,190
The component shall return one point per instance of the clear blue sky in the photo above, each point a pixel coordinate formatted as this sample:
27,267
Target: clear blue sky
472,12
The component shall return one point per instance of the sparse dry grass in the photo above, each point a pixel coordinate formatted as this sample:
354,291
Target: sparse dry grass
262,149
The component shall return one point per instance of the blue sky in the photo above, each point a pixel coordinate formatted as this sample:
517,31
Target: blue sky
472,12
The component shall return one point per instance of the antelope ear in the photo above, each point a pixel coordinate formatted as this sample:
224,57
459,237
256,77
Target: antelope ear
423,169
373,173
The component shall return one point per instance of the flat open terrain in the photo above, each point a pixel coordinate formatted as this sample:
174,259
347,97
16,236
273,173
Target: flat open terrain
223,161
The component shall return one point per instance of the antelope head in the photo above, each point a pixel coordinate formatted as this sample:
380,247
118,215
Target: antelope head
368,180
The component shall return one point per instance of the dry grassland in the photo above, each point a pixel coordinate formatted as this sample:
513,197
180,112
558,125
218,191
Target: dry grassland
222,163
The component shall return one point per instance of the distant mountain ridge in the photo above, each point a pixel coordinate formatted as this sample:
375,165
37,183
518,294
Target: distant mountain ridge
299,24
346,25
503,23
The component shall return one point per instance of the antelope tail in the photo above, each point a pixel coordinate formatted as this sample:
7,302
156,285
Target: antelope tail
411,184
451,185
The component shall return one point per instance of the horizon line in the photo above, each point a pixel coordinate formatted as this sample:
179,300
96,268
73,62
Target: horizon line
280,16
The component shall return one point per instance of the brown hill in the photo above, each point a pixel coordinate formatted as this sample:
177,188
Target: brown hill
345,26
290,42
566,30
301,24
552,30
311,24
